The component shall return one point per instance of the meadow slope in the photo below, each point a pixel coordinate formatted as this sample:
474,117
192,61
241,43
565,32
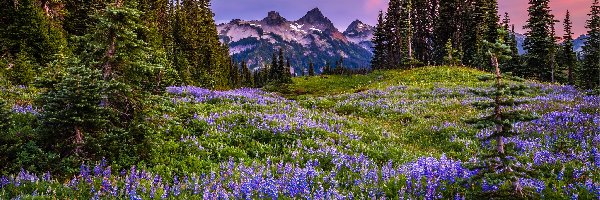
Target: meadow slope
382,135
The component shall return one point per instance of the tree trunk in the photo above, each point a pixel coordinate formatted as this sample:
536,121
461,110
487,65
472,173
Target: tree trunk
110,53
497,108
78,140
570,74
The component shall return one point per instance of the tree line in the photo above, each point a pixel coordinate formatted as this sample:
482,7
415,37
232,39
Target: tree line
413,33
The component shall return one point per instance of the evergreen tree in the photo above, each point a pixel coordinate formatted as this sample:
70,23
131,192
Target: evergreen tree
22,71
589,76
73,117
235,76
199,55
445,28
393,34
114,47
491,20
497,164
423,17
25,27
274,68
281,67
473,33
553,51
327,69
79,14
408,31
311,69
247,80
379,45
510,39
453,57
539,41
568,57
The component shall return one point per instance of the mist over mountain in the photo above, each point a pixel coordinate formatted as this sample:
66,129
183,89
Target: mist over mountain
313,37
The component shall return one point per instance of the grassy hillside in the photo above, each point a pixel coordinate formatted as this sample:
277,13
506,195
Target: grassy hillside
388,133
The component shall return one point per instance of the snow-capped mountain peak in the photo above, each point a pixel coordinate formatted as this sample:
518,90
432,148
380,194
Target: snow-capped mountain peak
357,27
316,18
274,19
312,37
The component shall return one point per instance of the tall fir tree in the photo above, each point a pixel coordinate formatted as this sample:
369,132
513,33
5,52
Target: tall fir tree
510,40
247,79
393,34
200,58
114,46
235,76
589,76
380,42
491,21
273,69
25,27
497,164
568,56
78,19
539,41
311,69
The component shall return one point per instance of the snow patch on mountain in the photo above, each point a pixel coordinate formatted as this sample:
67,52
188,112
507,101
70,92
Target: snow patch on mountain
310,38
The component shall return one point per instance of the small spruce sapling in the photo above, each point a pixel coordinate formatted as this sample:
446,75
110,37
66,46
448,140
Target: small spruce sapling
498,164
453,56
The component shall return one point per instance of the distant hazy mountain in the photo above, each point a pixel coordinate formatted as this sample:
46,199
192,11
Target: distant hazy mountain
577,47
310,38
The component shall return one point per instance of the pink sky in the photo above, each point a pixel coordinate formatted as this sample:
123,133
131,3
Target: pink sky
343,12
517,9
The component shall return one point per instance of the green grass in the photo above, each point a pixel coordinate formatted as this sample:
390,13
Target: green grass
422,77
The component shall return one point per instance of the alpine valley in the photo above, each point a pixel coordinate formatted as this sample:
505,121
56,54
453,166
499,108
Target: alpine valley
312,38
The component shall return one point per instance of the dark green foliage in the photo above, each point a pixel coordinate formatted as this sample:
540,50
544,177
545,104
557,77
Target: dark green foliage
380,43
589,76
75,116
20,145
4,116
247,79
26,28
235,78
453,56
279,73
498,163
445,27
196,51
567,57
416,32
510,40
539,42
311,69
79,15
115,47
260,77
327,69
22,70
393,37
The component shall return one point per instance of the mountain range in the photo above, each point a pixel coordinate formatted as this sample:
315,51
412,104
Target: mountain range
312,38
578,43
